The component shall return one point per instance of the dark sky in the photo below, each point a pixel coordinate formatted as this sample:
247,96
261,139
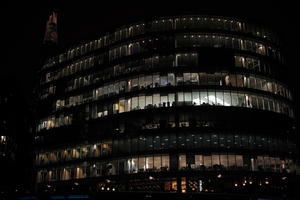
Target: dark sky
25,26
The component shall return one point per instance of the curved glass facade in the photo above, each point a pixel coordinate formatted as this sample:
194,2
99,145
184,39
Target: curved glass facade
167,98
157,100
165,24
161,163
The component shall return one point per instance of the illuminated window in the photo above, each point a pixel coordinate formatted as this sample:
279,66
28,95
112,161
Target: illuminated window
142,102
148,81
156,100
142,163
115,108
231,161
135,104
234,99
65,174
149,162
171,79
195,98
156,80
188,98
3,139
215,160
182,161
163,80
157,163
127,105
134,165
106,148
171,98
194,78
183,185
141,82
149,101
211,97
224,160
163,100
227,99
187,78
203,97
180,97
240,81
165,162
219,98
239,161
199,161
207,161
179,79
260,103
79,173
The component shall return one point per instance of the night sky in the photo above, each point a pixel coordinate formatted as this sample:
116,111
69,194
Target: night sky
24,27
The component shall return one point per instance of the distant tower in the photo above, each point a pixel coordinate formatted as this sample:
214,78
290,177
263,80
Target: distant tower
51,29
50,42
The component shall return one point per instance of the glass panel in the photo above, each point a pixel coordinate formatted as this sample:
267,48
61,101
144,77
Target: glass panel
239,160
260,163
171,79
232,80
188,98
187,78
241,100
142,102
196,98
165,162
212,97
239,61
142,164
219,98
266,104
182,161
148,81
149,101
239,80
260,102
164,100
171,98
157,163
231,161
156,100
198,161
141,143
156,80
202,79
134,165
234,99
135,84
149,162
253,101
252,82
227,99
179,79
122,105
180,97
127,105
194,78
203,98
135,105
207,161
224,160
215,161
163,80
156,142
